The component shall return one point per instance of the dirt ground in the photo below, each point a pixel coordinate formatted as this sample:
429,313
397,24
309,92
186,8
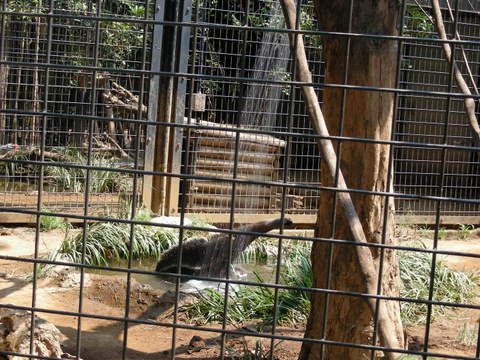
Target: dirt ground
105,296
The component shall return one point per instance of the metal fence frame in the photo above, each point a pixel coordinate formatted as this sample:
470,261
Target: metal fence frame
413,122
176,175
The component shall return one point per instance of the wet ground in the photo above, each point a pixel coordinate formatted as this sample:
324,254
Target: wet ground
105,295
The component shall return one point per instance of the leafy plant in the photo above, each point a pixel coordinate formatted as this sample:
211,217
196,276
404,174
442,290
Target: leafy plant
52,222
249,302
14,169
418,23
425,232
109,241
257,302
68,178
442,233
464,230
449,285
144,214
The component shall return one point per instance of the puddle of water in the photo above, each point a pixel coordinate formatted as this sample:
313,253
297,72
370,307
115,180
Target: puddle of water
244,271
144,264
256,272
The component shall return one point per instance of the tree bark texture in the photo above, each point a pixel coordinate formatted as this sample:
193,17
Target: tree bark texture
368,114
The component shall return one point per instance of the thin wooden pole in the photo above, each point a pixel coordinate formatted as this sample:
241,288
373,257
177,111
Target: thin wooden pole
462,84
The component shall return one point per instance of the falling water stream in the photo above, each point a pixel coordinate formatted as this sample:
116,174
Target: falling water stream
260,111
261,101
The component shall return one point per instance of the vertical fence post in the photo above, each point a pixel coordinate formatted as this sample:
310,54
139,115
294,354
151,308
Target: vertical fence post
179,96
153,102
163,152
3,74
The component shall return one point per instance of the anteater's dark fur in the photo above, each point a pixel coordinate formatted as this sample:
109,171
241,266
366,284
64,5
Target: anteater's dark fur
209,257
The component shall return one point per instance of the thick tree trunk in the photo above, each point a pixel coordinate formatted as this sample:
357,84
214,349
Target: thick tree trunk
368,115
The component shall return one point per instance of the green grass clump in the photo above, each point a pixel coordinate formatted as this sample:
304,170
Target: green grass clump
12,169
256,302
250,302
109,241
464,230
449,285
74,179
52,222
266,247
66,178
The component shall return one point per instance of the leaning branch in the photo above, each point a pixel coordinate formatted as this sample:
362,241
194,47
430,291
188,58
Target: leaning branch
469,101
364,255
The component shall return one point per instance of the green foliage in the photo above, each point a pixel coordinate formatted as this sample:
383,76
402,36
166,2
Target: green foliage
101,181
13,169
313,43
259,251
425,232
52,222
256,302
66,178
110,241
464,231
449,285
120,41
249,302
144,214
418,23
442,233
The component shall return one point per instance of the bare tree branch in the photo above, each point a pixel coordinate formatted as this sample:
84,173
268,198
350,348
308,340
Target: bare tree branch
467,64
457,34
469,101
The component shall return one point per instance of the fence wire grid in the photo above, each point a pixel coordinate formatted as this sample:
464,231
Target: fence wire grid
111,108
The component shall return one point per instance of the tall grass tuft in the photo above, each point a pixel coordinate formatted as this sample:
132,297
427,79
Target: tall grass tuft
249,302
70,179
73,179
110,242
52,222
257,302
449,285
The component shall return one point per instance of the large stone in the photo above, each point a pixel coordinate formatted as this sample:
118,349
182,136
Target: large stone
15,335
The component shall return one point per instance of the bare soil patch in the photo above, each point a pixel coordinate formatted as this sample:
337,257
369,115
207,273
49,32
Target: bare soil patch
106,296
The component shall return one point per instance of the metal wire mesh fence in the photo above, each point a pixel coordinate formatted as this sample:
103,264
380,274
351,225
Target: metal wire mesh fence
69,44
190,105
419,119
264,106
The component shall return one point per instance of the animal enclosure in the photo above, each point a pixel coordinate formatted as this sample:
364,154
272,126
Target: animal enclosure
113,100
131,127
